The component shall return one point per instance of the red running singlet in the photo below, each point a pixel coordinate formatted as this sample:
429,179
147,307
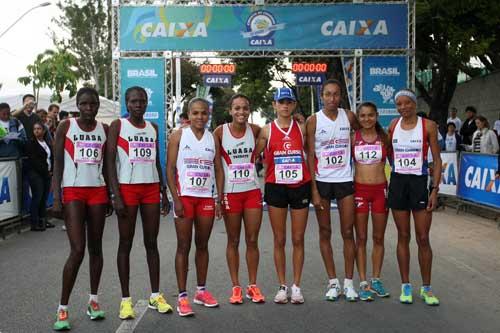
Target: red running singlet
284,156
364,152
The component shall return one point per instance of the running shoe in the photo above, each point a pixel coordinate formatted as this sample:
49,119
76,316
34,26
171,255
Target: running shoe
282,295
204,297
159,303
406,296
428,296
350,294
62,323
94,311
297,297
365,294
333,292
253,293
127,309
237,296
378,288
184,309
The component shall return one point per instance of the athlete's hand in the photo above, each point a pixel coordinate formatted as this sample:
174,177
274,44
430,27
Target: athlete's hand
165,205
432,204
119,206
178,208
316,200
109,209
57,207
218,211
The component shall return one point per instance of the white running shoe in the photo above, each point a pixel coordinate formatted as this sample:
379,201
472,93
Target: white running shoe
297,297
350,293
282,295
333,292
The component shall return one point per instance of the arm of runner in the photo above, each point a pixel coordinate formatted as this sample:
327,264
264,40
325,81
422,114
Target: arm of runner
353,120
261,142
109,211
172,153
219,173
110,156
256,130
59,164
311,160
165,205
437,167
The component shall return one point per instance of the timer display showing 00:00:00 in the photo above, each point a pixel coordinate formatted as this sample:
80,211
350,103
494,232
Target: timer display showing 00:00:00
301,67
217,68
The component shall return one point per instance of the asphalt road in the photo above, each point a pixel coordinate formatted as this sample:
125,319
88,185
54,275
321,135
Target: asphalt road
466,267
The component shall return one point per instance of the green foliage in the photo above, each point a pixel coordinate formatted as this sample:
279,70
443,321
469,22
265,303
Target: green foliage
89,26
56,70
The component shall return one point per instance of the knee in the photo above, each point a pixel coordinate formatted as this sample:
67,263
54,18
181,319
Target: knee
298,241
279,242
378,240
125,245
77,254
423,240
347,234
251,242
361,239
202,245
325,233
233,243
183,246
95,250
150,245
404,236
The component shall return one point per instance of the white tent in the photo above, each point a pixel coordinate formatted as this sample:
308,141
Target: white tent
108,111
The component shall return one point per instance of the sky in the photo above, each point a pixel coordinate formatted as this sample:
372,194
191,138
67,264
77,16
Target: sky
24,41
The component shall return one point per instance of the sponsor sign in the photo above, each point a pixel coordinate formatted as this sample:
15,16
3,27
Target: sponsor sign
149,74
449,174
247,27
9,198
477,180
383,77
217,80
305,79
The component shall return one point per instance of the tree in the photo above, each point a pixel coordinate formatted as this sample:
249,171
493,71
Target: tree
447,39
89,27
56,70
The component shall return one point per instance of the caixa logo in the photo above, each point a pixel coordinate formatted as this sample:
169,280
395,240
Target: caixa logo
142,73
5,191
354,27
260,28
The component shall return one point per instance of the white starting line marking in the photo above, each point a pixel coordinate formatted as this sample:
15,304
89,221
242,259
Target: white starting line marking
128,326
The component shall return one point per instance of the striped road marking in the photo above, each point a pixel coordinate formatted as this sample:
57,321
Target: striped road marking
128,326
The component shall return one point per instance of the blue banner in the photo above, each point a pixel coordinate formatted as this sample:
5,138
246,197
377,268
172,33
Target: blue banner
149,74
382,78
309,79
477,181
293,27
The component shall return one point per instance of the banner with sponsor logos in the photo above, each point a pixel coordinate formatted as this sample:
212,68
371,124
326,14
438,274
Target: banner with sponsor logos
149,74
246,27
449,174
383,77
9,197
477,180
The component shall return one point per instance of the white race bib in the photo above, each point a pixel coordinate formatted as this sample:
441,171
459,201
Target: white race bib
368,154
241,173
88,152
198,182
141,152
288,169
334,158
408,162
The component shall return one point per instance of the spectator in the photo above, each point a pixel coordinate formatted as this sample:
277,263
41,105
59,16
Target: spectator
484,140
13,138
299,117
184,120
40,159
469,125
51,124
63,115
53,111
26,115
42,114
496,126
454,119
452,139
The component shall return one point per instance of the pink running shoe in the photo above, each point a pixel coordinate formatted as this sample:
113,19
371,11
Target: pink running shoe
184,308
205,298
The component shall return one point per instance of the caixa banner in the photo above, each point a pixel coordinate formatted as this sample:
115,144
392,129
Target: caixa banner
383,77
149,74
477,180
9,197
243,27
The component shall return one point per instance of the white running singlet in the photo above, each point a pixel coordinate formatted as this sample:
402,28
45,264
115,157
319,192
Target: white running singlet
333,148
407,147
83,154
136,154
195,164
238,161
